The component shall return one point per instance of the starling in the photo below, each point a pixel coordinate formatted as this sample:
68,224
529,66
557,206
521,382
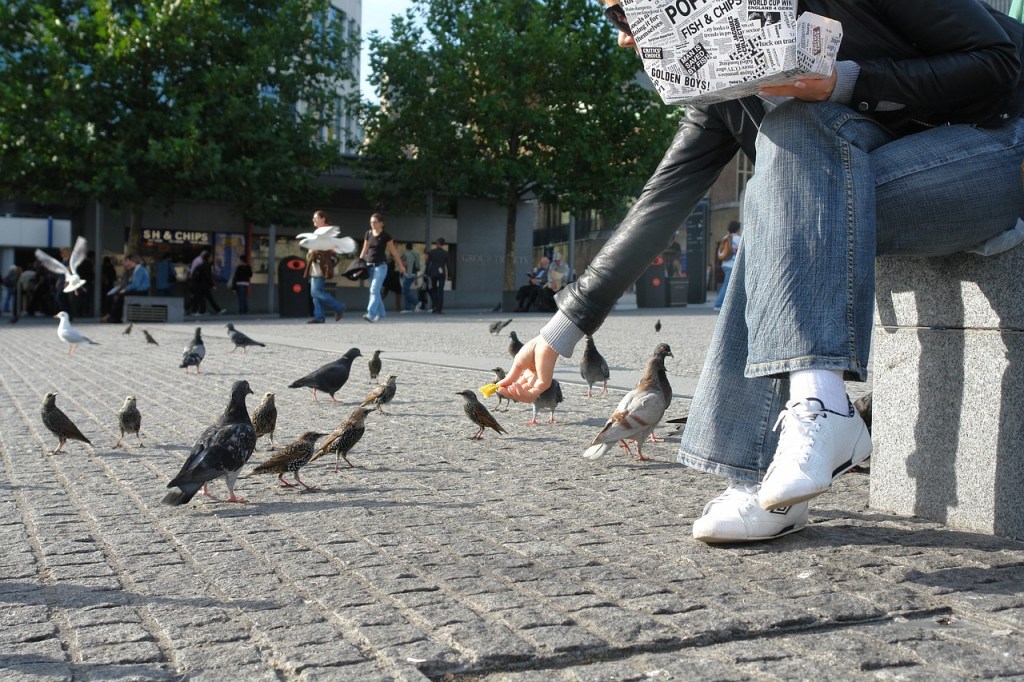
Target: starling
382,395
70,335
342,439
374,365
149,339
128,329
499,374
657,326
514,345
59,424
291,458
594,368
548,400
479,415
221,452
129,419
264,418
194,352
329,378
497,326
241,340
639,411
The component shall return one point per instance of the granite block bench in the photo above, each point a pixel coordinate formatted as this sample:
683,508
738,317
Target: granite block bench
154,309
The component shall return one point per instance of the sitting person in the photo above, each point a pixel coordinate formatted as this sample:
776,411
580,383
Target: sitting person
527,293
558,277
138,285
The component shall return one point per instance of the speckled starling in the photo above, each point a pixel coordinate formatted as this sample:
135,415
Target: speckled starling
59,424
479,415
374,365
129,419
382,395
264,418
291,458
344,438
499,374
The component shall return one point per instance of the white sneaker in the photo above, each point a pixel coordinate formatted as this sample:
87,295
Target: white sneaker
736,516
815,448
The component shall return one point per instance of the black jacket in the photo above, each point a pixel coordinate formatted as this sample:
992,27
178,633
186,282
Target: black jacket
940,61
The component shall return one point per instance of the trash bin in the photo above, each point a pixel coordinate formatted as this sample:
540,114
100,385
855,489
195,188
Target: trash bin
293,289
652,286
678,291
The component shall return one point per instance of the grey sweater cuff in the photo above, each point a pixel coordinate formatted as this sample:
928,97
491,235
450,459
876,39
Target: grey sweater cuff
561,334
846,77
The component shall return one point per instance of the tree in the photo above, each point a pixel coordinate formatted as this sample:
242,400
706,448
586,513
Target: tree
507,99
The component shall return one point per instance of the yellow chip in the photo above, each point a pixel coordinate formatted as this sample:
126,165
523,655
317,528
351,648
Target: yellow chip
489,390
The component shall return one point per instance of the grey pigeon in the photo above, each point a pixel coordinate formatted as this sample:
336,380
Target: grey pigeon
329,378
221,452
639,411
344,438
149,339
264,418
514,345
241,340
374,365
129,419
194,352
58,423
128,329
479,415
382,395
497,326
291,458
594,368
69,334
548,400
657,326
499,374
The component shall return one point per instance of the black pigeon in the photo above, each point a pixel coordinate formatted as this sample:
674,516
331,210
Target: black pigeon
514,345
499,374
129,419
292,457
657,326
221,452
382,395
264,418
374,365
344,438
479,415
241,340
496,327
548,400
331,377
194,352
594,368
59,424
128,329
149,339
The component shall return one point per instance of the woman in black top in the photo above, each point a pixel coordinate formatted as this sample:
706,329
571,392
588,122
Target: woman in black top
240,283
376,245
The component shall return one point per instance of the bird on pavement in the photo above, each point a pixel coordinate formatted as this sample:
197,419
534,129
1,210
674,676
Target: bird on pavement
241,340
292,457
220,452
497,326
548,400
72,280
638,413
194,352
129,419
382,395
264,418
499,374
128,329
70,335
479,415
594,368
59,424
374,364
329,378
514,345
326,239
657,326
342,439
149,339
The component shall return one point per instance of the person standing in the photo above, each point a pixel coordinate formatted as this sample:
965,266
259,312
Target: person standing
437,273
240,281
319,268
726,255
201,281
377,244
411,260
165,275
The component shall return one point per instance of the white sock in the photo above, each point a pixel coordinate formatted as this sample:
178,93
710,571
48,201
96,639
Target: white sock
824,384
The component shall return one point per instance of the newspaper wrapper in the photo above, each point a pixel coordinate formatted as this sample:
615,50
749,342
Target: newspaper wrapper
704,51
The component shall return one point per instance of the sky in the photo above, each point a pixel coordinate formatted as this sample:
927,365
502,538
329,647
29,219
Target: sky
376,17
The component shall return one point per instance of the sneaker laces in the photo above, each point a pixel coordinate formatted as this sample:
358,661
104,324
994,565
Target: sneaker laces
799,426
737,494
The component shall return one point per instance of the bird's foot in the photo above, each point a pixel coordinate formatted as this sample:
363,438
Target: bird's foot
552,420
286,484
207,493
654,439
532,422
235,498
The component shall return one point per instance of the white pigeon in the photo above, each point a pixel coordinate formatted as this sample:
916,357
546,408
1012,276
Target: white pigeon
69,334
326,239
72,281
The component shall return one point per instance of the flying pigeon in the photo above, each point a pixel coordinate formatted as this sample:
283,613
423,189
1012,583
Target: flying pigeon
326,239
69,334
59,424
128,329
264,418
594,368
514,345
331,377
221,452
72,282
344,438
499,374
129,419
374,365
639,411
548,400
496,327
382,395
194,352
291,458
149,339
241,340
479,415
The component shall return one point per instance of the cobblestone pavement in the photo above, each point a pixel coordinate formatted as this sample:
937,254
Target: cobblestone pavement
439,557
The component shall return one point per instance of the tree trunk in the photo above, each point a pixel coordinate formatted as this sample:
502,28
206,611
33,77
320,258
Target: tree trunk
134,230
509,286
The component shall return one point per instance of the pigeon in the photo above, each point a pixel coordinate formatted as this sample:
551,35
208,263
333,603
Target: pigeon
381,395
499,374
72,281
657,326
291,458
479,415
594,368
241,340
326,239
331,377
59,424
129,419
374,365
496,327
149,339
221,452
70,335
194,352
639,411
264,418
514,345
128,329
548,400
344,438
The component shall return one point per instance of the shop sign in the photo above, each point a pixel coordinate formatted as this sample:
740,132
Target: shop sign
177,236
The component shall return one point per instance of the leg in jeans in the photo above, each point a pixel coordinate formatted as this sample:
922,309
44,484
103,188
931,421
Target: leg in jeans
408,297
321,298
726,273
375,307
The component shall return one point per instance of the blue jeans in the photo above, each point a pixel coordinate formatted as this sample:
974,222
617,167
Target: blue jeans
243,298
832,189
375,308
726,274
410,298
321,298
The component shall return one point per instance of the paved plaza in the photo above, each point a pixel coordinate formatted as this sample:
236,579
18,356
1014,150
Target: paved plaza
438,557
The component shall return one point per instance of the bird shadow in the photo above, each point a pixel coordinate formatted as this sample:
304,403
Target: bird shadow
170,447
69,595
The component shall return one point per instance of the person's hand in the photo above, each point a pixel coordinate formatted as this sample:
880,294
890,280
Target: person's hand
806,89
531,371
